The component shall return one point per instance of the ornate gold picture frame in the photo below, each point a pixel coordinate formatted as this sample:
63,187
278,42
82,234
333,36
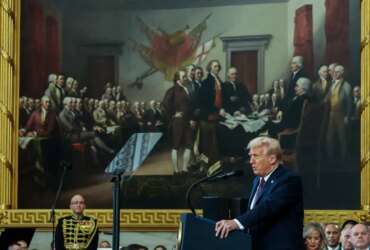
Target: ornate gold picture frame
134,220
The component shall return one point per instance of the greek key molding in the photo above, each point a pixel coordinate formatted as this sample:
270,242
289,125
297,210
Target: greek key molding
151,220
133,220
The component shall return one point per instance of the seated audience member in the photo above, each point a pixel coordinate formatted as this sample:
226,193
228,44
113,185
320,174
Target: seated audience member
314,237
30,106
120,95
43,121
14,246
275,87
108,94
261,102
360,237
73,131
137,111
332,234
293,112
100,115
275,105
349,224
152,118
345,238
235,96
23,244
104,244
24,113
111,112
142,107
160,247
84,118
267,101
73,91
136,247
96,104
37,104
282,94
255,103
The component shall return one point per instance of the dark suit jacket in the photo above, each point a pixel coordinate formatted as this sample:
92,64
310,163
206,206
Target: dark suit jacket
293,82
293,112
193,89
207,94
276,221
243,98
24,115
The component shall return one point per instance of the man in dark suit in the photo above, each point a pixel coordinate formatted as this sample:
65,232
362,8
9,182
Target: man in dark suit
293,112
210,103
56,92
297,72
177,104
275,218
235,95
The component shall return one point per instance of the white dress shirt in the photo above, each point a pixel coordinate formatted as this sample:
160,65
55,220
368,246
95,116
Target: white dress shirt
241,227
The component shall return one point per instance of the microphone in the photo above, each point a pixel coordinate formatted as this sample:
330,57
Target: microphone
65,165
227,175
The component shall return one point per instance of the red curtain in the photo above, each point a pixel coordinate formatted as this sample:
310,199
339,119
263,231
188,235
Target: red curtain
336,31
34,72
52,48
303,37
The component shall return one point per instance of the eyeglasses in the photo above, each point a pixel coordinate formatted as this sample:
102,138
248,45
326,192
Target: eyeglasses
78,203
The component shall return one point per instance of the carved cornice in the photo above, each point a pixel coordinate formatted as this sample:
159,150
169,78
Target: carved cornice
5,162
5,111
7,9
365,42
7,58
134,220
151,220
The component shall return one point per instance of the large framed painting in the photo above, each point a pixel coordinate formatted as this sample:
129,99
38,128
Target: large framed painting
79,78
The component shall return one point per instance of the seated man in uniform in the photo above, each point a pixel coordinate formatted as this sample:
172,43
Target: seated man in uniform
77,231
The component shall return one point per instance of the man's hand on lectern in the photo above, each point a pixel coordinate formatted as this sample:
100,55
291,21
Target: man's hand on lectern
224,227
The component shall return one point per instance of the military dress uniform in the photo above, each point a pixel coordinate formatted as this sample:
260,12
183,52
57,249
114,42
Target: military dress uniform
76,233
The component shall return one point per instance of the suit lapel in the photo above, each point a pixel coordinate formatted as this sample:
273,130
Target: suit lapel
254,189
272,180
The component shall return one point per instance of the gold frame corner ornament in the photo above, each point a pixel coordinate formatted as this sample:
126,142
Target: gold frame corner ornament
141,219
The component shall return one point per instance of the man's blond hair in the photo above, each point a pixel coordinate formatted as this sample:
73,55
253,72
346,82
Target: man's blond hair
272,145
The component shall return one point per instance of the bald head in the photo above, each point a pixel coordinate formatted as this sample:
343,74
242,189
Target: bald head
77,204
332,233
360,236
